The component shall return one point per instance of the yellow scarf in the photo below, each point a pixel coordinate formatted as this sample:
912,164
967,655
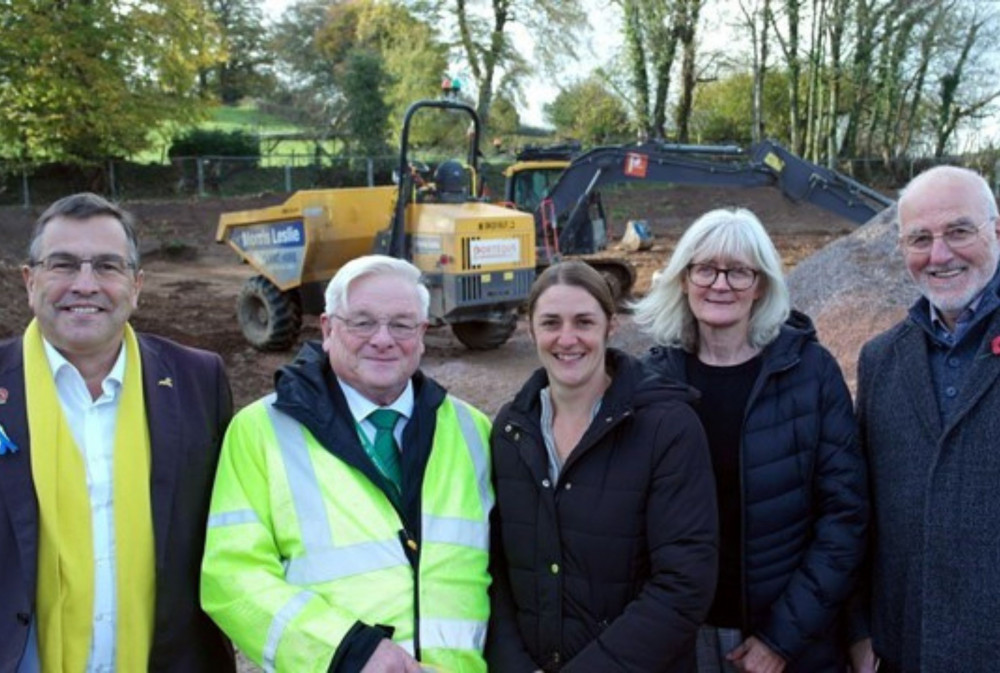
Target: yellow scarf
65,546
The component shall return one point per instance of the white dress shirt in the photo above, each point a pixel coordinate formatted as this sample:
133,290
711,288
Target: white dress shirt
92,423
361,406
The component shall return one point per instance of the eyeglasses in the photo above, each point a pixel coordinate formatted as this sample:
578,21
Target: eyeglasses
365,327
738,278
104,267
956,237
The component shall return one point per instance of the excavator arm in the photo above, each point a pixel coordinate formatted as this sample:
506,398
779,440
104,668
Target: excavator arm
767,164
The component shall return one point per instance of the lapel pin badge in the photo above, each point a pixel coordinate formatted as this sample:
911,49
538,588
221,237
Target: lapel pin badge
6,446
166,383
4,395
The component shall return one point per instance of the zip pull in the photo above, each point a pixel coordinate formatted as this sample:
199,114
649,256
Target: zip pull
410,546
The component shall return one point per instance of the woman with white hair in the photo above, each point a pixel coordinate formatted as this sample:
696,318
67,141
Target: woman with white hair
791,484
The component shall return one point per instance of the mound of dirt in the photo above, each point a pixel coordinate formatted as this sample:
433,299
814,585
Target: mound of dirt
854,288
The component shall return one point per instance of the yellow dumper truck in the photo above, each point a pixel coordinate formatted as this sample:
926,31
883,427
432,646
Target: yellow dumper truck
477,259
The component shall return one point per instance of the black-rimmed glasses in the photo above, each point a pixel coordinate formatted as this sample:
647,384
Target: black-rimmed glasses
738,277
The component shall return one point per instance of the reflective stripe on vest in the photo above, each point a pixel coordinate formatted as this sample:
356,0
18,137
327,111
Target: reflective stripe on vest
277,628
450,530
457,634
322,561
237,517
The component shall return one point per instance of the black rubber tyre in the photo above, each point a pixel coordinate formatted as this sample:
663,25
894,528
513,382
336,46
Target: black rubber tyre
485,335
270,319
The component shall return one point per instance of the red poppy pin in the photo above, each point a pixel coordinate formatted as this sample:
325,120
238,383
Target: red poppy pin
3,395
995,345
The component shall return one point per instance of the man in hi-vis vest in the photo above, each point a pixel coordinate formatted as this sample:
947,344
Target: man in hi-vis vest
349,520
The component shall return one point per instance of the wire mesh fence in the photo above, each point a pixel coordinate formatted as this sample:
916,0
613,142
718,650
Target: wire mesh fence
192,177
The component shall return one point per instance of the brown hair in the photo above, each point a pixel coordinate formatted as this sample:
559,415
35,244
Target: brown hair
575,274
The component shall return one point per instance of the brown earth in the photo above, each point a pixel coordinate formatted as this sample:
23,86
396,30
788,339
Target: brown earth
191,283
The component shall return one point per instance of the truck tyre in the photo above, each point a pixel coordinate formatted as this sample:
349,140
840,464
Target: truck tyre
484,335
270,319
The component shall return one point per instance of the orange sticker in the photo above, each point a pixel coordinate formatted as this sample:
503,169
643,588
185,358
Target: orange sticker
635,165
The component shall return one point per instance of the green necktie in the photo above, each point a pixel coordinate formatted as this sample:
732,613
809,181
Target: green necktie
385,453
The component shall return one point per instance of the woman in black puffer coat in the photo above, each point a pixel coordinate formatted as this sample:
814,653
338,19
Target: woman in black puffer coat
791,480
605,525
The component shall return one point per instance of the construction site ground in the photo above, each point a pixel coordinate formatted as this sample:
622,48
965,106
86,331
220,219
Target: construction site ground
191,283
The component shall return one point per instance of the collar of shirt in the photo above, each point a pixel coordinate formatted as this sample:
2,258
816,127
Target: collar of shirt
361,406
69,381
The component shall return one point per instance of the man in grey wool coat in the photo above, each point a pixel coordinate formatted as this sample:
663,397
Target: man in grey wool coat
929,412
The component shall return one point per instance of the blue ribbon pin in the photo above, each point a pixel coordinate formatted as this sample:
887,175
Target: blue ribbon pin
6,446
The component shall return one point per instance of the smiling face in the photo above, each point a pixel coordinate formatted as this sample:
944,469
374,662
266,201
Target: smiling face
377,366
719,307
950,279
570,331
80,314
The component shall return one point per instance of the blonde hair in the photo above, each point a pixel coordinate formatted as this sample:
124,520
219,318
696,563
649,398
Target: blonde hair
665,315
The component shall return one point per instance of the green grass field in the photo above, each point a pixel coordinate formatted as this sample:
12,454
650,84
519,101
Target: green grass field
275,150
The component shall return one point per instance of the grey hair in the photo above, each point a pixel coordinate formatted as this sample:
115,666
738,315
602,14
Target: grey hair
84,206
370,265
953,172
664,313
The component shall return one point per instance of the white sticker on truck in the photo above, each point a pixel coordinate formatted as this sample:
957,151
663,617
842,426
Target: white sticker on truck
494,251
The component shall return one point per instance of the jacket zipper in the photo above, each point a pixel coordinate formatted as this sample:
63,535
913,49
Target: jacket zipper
412,551
765,373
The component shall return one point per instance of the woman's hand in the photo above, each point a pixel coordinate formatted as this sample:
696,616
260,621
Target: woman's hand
753,656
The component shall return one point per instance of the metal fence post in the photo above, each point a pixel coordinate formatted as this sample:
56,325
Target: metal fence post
24,188
288,177
370,166
201,176
111,180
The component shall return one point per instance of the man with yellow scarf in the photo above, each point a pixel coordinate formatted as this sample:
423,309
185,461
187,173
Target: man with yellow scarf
108,445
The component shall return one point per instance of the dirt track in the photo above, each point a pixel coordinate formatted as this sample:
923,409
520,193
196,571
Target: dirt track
191,283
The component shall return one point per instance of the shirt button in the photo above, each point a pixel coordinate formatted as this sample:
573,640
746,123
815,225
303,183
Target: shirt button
568,486
554,568
953,362
950,391
546,483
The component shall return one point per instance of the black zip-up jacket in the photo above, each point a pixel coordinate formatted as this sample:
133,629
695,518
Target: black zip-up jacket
307,390
613,567
804,497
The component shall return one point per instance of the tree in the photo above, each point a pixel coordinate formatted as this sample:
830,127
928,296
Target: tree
653,31
587,111
685,25
720,113
482,32
239,74
83,80
367,120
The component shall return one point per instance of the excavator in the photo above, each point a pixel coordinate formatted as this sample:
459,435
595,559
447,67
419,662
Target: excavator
561,185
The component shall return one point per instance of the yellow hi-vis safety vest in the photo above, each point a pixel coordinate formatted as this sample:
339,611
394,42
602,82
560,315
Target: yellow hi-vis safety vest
301,545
